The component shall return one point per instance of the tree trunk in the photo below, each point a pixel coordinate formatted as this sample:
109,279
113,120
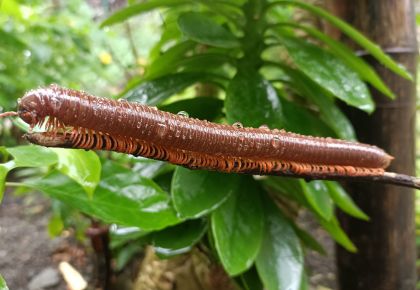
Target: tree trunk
386,245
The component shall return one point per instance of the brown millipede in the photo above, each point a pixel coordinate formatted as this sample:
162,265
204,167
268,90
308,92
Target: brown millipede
78,120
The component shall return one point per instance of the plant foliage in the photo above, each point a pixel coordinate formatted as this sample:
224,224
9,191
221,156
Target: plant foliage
249,63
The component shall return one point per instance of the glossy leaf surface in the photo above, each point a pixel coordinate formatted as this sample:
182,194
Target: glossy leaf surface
197,192
123,198
280,261
136,9
82,166
253,101
203,29
155,91
344,201
330,73
316,192
237,227
178,239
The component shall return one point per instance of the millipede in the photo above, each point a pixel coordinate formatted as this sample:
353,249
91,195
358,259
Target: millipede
76,119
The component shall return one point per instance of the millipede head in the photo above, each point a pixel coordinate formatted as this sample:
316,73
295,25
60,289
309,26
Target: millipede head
30,107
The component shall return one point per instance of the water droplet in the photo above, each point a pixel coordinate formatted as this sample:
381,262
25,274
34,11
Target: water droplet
241,137
275,142
177,133
264,127
183,114
138,125
238,125
154,108
161,129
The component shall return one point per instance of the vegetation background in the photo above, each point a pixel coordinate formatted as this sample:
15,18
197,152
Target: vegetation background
252,65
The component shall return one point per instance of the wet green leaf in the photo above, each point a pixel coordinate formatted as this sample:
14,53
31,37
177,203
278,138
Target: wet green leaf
317,194
280,261
203,29
195,107
353,61
253,101
300,120
344,201
333,228
330,113
330,73
32,156
155,91
250,280
3,285
167,62
122,198
358,37
178,239
309,241
197,192
82,166
136,9
237,227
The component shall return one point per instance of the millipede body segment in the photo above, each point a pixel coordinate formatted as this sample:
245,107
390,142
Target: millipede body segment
76,119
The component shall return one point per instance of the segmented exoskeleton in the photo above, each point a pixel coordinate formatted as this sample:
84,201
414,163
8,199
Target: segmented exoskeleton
78,120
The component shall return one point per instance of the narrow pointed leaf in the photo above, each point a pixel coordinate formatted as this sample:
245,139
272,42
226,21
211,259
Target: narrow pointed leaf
136,9
316,192
203,29
358,37
237,227
330,73
353,61
333,228
197,192
155,91
344,201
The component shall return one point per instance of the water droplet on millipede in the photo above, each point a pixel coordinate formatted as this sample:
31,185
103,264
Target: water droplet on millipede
241,137
183,114
177,133
238,125
138,124
275,142
264,127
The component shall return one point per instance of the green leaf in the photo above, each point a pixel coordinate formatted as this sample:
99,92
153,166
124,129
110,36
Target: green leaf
166,62
344,201
82,166
139,8
32,156
330,113
3,285
203,29
280,261
155,91
55,226
197,192
290,187
316,192
250,280
330,73
353,61
123,198
333,228
237,227
253,101
358,37
300,120
178,239
204,108
308,240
